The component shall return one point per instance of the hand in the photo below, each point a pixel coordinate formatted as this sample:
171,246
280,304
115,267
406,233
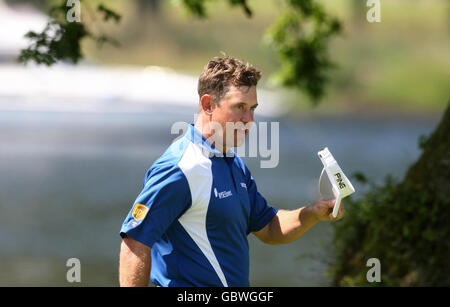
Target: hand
323,210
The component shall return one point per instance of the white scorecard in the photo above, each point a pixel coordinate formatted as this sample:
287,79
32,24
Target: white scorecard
333,184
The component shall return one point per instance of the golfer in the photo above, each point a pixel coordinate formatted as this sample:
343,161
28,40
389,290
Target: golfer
199,202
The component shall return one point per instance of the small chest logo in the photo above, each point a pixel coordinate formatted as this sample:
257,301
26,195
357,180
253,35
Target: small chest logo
244,185
223,194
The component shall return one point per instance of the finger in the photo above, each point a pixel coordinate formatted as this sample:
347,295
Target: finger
331,217
338,216
331,203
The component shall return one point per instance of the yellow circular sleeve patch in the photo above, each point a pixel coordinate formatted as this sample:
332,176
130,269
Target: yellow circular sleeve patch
139,212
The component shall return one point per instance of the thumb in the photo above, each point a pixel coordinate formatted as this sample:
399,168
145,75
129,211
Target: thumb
330,216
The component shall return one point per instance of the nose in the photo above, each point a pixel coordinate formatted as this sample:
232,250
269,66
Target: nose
247,117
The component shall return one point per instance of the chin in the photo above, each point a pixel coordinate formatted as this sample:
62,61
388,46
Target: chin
239,141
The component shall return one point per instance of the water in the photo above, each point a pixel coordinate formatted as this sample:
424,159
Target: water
68,179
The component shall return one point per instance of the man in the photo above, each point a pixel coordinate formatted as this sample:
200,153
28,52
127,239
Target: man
190,223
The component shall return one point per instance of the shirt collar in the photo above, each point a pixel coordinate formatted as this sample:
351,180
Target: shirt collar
196,137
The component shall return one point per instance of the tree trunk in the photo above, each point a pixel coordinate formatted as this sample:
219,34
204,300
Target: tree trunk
405,225
426,188
432,171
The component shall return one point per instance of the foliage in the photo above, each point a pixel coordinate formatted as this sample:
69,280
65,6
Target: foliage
61,39
403,224
300,37
198,9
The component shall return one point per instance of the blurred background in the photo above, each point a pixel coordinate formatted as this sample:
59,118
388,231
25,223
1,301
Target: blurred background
76,140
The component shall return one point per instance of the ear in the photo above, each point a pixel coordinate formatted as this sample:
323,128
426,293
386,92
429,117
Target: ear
207,104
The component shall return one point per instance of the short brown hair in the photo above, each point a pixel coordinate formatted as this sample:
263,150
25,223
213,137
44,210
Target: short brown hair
222,72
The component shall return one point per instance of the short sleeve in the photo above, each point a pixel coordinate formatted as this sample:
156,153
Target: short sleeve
261,212
163,199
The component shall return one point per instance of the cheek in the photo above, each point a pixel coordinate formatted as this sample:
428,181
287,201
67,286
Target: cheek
234,115
227,116
218,118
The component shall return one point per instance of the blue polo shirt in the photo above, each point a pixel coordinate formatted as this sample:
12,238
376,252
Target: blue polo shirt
195,211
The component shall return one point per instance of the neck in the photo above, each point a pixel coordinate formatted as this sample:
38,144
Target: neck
203,124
